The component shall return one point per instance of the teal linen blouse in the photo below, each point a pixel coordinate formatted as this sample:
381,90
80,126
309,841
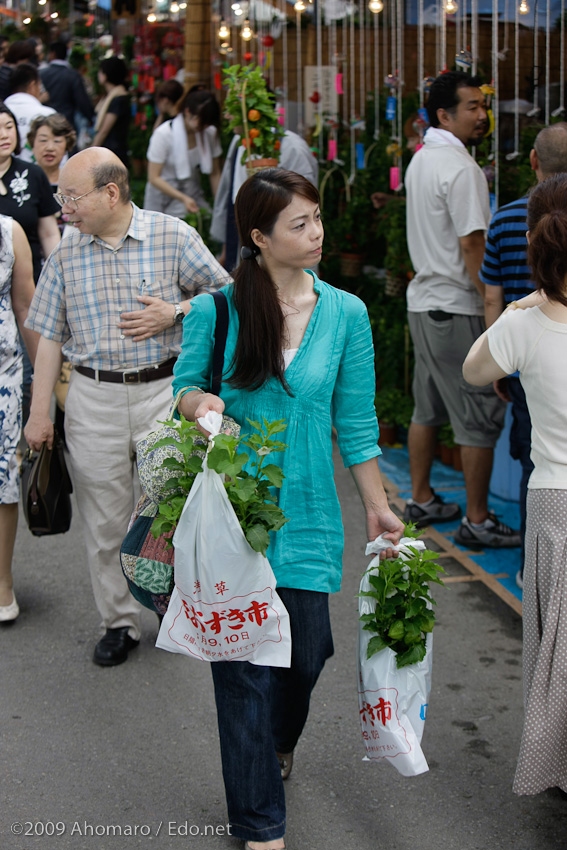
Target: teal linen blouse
333,383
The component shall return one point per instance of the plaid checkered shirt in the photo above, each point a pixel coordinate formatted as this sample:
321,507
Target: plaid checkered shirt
86,284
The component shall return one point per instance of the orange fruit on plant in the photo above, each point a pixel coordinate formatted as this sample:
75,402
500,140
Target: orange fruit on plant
253,115
254,133
277,145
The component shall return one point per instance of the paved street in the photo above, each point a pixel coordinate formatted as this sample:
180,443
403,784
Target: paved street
87,752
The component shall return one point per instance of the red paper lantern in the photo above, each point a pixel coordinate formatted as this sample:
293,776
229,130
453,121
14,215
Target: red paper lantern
247,57
268,41
315,97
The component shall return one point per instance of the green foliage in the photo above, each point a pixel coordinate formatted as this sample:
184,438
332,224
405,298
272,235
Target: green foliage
201,221
248,492
138,140
403,615
393,406
446,436
247,85
392,228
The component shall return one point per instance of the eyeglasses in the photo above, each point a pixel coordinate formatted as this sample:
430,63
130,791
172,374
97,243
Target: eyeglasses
67,199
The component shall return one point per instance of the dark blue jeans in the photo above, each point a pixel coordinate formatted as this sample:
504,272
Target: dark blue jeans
520,445
262,710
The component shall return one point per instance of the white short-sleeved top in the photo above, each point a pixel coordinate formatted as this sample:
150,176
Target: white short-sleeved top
534,344
162,149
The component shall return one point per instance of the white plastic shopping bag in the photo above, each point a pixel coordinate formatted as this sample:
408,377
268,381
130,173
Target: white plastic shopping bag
224,606
392,702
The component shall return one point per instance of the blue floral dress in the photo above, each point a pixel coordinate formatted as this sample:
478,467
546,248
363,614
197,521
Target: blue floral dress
10,372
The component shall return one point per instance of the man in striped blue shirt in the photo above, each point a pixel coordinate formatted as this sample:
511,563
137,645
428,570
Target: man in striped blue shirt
507,276
111,298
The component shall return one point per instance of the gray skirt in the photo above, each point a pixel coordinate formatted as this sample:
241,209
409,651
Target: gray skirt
542,762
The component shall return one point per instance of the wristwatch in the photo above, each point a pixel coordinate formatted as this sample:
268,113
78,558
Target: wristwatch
179,315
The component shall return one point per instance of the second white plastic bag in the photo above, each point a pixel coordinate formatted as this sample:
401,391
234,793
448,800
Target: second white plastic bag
392,701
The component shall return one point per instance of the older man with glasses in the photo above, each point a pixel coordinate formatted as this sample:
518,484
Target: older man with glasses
111,299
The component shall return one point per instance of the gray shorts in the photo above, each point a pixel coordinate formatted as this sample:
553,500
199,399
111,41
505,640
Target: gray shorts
441,343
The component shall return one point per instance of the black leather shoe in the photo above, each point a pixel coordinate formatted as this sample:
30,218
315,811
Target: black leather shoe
114,647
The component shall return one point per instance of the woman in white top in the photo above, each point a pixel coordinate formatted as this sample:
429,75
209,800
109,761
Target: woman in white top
533,340
179,151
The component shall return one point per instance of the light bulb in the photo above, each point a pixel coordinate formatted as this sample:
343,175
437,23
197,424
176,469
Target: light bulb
54,15
235,6
42,2
299,6
224,31
174,8
246,32
183,5
152,18
238,11
26,21
375,6
451,7
523,8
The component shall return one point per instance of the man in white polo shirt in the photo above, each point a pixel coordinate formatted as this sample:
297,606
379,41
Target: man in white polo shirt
448,214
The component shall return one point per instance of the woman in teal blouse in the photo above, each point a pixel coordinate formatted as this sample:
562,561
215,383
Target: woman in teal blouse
300,350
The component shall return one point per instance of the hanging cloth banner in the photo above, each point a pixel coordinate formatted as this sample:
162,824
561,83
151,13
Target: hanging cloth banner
391,108
339,84
359,155
394,178
332,150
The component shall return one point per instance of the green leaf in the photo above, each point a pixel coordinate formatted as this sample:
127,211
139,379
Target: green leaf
412,656
375,644
258,538
244,489
274,474
396,630
412,633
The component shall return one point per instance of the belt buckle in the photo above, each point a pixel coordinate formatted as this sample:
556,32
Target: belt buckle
132,377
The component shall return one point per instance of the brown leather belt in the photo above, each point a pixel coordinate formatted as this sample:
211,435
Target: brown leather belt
140,376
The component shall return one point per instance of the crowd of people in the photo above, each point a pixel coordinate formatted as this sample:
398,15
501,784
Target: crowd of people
124,295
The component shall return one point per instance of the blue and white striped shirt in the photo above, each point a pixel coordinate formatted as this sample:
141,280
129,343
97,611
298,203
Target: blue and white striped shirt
86,284
505,262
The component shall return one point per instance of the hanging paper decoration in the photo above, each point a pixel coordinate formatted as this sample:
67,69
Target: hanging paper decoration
281,115
359,155
218,84
392,81
339,84
315,97
247,57
463,61
394,178
332,150
317,129
423,117
427,83
268,41
390,108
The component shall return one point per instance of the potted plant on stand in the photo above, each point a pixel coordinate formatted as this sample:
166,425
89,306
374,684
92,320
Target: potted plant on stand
394,410
253,116
354,231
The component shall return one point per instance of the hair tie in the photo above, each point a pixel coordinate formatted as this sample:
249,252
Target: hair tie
248,253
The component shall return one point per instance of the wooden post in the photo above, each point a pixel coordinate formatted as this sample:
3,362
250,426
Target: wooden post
197,54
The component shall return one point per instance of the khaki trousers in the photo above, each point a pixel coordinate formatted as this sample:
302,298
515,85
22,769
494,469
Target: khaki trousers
103,423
